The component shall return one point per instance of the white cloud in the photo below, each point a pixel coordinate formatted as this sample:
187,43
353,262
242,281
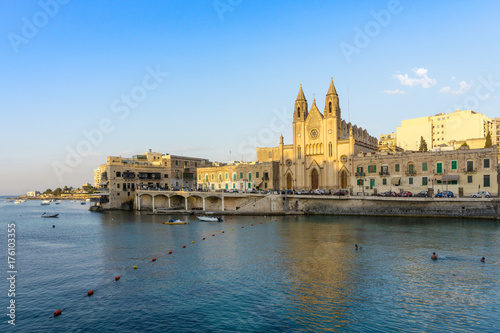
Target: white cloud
421,80
464,87
394,92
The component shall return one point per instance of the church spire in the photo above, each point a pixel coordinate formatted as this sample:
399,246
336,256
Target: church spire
301,95
332,90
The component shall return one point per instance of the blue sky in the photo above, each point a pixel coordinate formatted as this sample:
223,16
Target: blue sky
227,75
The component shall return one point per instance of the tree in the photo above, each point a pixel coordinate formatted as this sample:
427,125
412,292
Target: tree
48,191
464,144
423,144
57,192
488,143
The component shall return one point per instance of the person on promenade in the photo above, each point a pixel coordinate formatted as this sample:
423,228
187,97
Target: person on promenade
358,248
434,256
482,259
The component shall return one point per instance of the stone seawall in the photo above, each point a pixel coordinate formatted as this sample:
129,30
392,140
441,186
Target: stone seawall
425,207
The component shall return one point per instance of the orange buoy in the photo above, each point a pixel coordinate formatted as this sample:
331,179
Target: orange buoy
260,222
242,227
213,235
57,313
169,252
251,225
154,259
117,278
203,238
90,293
183,246
192,242
223,232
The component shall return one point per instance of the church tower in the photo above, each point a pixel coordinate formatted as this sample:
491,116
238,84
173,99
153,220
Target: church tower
301,110
299,117
331,124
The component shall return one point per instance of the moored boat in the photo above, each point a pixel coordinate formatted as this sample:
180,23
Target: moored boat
178,222
45,202
209,219
50,215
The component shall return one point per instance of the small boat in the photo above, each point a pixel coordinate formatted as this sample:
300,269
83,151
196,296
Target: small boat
50,215
209,219
87,200
83,203
45,202
57,202
22,200
172,222
17,202
8,200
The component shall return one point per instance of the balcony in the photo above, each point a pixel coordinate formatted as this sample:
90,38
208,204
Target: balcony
384,173
360,174
470,170
411,173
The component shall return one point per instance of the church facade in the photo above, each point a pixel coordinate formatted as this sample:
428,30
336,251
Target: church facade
320,156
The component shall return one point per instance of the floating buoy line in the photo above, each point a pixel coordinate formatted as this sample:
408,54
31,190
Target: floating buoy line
91,292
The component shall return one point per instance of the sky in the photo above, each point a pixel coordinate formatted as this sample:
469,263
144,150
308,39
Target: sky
83,80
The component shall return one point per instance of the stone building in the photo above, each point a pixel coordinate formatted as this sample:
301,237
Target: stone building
121,177
388,142
462,171
319,156
240,176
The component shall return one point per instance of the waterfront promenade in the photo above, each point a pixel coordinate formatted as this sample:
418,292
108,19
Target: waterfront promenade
277,204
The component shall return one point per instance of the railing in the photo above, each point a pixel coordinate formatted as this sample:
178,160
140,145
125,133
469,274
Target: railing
469,171
411,173
384,173
360,174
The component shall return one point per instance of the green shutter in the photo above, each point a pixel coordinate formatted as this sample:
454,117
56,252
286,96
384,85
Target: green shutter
439,167
453,165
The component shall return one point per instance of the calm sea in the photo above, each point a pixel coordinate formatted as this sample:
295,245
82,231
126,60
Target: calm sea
283,274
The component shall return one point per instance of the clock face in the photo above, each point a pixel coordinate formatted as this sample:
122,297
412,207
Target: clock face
343,159
298,135
330,131
314,133
288,163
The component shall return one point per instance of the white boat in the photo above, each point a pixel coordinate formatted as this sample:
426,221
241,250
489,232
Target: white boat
87,200
172,222
8,200
45,202
50,215
209,219
17,202
22,200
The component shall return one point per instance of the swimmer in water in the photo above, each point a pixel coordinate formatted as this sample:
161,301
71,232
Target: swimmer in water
358,248
482,259
434,256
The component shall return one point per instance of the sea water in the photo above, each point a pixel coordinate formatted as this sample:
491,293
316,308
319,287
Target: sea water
283,274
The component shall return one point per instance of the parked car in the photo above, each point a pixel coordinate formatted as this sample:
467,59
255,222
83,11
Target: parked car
406,194
341,192
388,194
251,190
424,194
482,194
303,192
445,194
232,190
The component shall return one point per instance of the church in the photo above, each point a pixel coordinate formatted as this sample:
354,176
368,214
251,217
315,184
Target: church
322,148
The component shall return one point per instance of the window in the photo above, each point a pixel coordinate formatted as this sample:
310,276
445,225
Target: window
486,163
234,185
360,182
249,185
470,166
234,177
411,168
330,149
410,180
439,167
227,186
241,175
213,186
424,166
298,152
469,179
424,181
486,181
166,175
206,178
360,169
372,183
199,177
195,164
265,185
270,155
372,168
219,177
453,165
257,175
330,107
298,112
117,185
396,167
226,176
176,162
213,176
249,176
185,164
118,174
384,181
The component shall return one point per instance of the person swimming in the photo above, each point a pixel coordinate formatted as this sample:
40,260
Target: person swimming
434,256
358,248
483,259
